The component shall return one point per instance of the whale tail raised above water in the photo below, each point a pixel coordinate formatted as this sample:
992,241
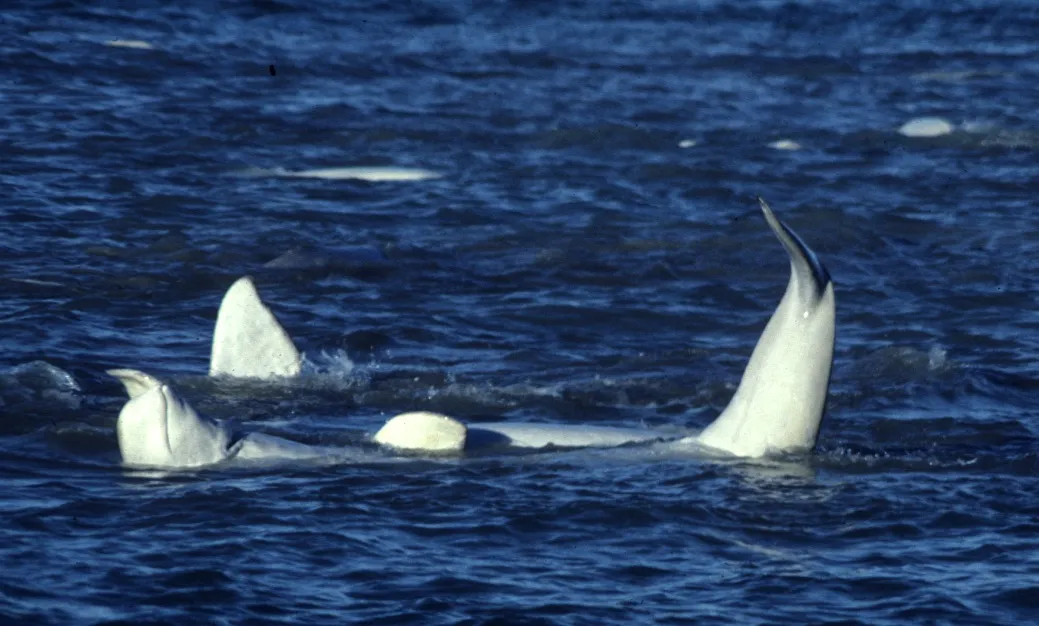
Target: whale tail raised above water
248,341
778,406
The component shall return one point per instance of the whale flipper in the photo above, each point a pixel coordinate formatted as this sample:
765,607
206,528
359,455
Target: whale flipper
423,431
158,428
779,403
248,341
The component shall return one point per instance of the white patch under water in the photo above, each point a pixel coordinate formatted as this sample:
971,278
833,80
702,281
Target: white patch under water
135,44
926,127
785,144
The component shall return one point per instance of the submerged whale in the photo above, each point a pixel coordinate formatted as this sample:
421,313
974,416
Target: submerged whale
778,406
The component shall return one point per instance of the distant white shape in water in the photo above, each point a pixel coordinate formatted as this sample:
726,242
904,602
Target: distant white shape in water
785,144
372,174
926,127
136,44
248,341
687,143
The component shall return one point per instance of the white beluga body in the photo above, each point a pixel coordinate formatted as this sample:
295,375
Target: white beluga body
778,406
157,428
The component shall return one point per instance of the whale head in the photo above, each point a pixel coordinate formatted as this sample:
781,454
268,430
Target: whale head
778,406
158,428
248,341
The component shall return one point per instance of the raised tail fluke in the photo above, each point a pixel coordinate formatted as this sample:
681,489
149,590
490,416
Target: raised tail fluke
778,406
248,341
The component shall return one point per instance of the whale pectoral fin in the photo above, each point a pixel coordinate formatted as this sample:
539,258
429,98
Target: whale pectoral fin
779,403
422,431
248,341
135,381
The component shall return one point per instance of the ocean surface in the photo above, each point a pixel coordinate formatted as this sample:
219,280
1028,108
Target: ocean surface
576,241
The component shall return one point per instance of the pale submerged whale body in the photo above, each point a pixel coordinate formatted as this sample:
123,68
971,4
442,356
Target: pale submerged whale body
778,406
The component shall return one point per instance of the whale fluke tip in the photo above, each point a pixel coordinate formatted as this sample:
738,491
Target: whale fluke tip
248,341
770,217
814,274
423,431
136,382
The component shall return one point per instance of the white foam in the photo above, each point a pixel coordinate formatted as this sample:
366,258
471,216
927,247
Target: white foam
926,127
136,44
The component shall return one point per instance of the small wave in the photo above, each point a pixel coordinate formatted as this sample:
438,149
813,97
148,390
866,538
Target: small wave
354,258
902,364
39,383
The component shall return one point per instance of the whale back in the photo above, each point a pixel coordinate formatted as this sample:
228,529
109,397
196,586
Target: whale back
422,431
779,404
248,341
158,428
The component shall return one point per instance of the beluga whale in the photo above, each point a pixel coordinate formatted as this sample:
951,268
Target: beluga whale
778,406
158,429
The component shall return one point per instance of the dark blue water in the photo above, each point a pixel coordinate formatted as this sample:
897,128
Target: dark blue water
580,260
